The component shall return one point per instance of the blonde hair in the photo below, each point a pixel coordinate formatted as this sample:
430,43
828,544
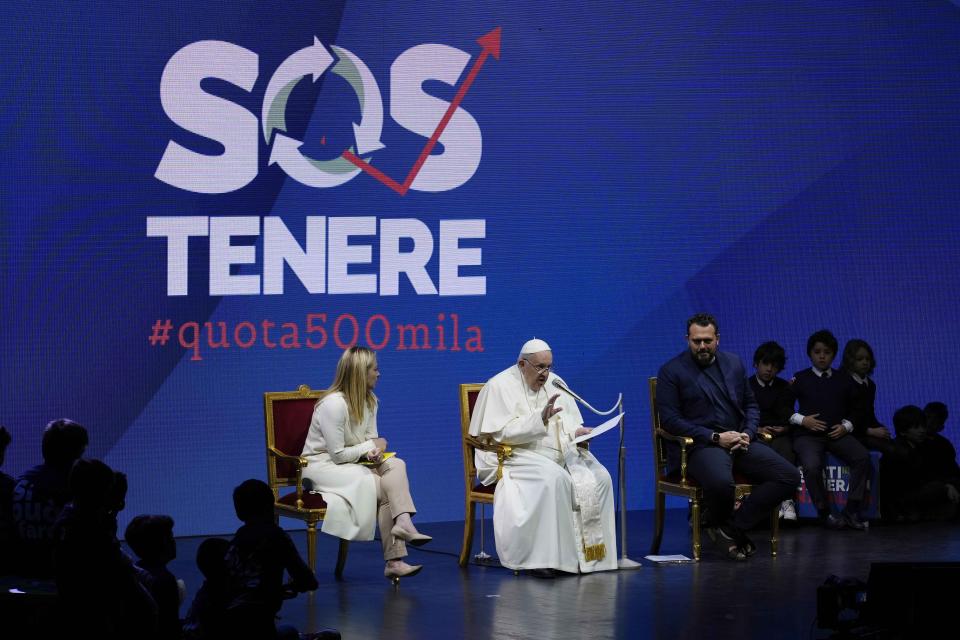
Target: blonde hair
351,380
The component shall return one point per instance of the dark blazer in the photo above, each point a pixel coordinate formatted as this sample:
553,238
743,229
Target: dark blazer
684,402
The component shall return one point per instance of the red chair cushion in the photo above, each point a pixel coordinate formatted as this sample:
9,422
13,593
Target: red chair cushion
479,488
472,400
310,500
291,423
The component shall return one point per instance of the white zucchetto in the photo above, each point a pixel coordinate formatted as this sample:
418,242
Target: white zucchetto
534,346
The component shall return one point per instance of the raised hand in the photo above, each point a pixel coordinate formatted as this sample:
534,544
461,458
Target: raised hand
549,411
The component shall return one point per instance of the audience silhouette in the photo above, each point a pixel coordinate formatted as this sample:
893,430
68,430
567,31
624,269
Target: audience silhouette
99,586
41,493
151,538
7,534
256,560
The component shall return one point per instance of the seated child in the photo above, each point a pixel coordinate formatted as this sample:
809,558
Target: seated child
7,537
859,363
97,583
256,560
40,494
151,538
775,400
939,452
204,620
912,489
824,401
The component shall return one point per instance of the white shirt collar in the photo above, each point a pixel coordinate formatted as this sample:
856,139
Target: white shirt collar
821,374
859,380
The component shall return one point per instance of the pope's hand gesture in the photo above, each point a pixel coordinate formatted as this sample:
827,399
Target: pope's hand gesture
549,411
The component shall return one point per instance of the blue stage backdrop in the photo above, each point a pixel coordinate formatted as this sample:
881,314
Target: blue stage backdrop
203,201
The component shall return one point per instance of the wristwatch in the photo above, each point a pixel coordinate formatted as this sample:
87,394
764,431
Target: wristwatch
715,437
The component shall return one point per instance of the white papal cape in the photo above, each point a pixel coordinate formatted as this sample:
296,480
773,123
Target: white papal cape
553,508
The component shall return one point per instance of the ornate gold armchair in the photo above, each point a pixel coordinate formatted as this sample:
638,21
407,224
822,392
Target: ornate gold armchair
474,491
678,484
287,416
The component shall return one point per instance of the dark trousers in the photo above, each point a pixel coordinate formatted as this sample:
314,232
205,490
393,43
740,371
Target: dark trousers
773,478
811,450
784,446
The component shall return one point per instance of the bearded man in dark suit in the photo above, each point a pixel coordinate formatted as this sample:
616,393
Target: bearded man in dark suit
703,394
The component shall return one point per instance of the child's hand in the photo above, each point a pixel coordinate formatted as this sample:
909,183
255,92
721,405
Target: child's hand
952,494
836,432
813,424
878,432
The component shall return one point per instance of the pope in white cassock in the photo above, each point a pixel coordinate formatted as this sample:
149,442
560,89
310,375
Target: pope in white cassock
553,508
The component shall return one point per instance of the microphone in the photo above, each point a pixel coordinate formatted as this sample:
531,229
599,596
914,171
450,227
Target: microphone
562,386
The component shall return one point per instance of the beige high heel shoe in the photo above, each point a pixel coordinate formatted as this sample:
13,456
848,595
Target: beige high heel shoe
394,575
416,539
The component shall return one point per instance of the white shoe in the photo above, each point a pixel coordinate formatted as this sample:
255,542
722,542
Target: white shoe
787,510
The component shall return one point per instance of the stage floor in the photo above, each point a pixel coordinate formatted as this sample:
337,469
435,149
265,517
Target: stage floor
764,597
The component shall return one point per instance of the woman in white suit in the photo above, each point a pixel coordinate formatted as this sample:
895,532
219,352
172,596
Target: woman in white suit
347,465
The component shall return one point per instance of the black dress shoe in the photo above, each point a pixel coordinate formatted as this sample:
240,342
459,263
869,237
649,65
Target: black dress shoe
323,634
743,542
727,544
544,573
853,521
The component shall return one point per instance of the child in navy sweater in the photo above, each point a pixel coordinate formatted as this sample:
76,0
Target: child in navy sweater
859,363
776,401
822,422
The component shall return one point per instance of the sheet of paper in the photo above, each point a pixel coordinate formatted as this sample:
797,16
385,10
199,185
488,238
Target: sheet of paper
674,559
606,426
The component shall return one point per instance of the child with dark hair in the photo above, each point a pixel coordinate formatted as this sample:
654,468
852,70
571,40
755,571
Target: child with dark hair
859,363
97,583
936,415
7,536
912,488
775,400
151,538
204,620
823,420
256,560
40,494
939,453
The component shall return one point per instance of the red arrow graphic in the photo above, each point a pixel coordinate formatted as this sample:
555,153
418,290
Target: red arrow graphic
490,43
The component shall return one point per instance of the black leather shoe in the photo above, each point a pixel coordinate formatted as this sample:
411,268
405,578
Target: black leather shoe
853,521
543,573
323,634
726,543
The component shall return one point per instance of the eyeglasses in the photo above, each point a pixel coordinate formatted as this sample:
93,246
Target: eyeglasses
540,368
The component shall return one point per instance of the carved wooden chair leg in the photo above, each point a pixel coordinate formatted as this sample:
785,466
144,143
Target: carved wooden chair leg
341,557
468,523
312,545
658,509
774,531
695,527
